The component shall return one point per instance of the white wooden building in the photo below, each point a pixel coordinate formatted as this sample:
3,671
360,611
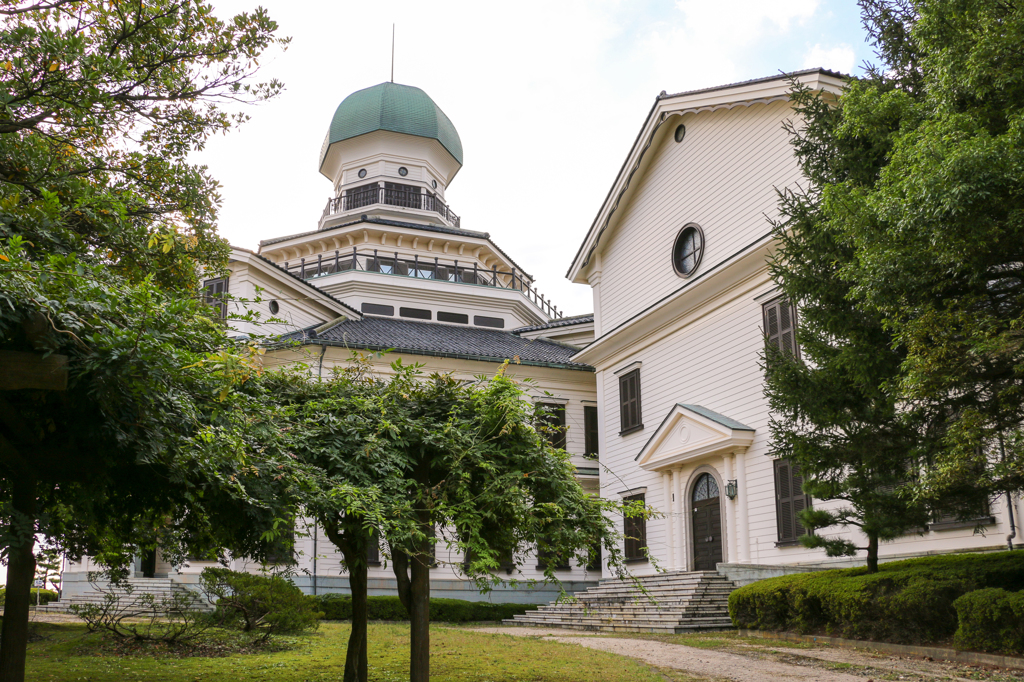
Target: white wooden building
676,259
662,383
390,267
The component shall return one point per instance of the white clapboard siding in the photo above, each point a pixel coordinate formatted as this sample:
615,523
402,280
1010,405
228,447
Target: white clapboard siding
722,176
714,362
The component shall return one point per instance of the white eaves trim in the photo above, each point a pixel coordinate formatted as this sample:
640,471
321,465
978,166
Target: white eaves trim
685,435
258,263
761,91
663,317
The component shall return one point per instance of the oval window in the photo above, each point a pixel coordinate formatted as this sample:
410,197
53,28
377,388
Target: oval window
362,172
688,250
680,132
275,307
434,183
403,171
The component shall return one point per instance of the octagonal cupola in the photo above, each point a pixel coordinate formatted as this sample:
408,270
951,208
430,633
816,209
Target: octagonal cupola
392,152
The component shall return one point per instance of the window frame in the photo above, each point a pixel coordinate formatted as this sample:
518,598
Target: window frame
789,537
591,433
626,399
217,299
782,308
634,532
698,251
554,419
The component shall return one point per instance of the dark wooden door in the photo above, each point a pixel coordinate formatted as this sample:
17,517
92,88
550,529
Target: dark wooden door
707,534
149,563
707,524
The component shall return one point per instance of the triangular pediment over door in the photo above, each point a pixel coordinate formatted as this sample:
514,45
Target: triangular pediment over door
690,432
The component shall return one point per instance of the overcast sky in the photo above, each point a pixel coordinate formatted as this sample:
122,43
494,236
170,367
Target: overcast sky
547,98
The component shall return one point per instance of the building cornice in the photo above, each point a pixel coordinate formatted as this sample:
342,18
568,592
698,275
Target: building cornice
269,267
699,294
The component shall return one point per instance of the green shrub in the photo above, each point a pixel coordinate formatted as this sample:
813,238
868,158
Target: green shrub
45,596
258,603
339,607
907,601
991,619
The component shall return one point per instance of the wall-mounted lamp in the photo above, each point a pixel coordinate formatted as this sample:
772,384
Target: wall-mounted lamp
731,489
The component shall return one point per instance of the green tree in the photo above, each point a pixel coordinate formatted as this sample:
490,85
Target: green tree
48,564
833,415
104,225
937,234
904,259
462,458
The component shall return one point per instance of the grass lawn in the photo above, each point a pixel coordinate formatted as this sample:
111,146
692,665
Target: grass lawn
68,653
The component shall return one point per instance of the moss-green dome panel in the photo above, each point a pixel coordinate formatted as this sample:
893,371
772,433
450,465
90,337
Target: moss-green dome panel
397,108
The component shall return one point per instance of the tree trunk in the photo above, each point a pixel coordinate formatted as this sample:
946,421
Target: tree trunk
21,568
350,539
872,554
356,656
419,617
400,567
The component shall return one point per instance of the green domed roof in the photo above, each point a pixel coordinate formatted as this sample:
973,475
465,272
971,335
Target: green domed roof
394,107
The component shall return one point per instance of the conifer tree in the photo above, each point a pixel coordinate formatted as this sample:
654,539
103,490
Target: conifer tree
833,415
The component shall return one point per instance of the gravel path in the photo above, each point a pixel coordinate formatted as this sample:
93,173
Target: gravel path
703,662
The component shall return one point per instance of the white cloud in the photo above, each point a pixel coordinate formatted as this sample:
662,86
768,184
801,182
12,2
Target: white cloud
838,58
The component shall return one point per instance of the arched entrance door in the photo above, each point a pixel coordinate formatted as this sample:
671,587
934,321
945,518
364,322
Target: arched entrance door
707,524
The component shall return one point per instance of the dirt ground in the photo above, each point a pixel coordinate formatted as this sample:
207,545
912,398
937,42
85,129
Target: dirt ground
750,660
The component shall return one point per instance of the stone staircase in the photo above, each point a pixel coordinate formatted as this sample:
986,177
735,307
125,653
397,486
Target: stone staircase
161,588
682,602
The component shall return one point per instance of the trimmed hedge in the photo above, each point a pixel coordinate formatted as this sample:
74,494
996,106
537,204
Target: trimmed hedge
45,596
991,620
908,602
339,607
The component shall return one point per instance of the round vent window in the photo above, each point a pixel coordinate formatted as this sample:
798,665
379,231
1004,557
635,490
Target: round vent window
434,183
275,307
403,171
680,132
362,172
688,250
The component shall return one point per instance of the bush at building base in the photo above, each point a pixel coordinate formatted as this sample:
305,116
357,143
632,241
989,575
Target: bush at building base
991,620
906,602
258,604
339,607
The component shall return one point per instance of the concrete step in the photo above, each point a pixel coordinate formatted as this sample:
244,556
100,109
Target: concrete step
160,588
674,602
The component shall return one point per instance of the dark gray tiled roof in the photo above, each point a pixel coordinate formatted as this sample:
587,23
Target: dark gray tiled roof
442,340
560,322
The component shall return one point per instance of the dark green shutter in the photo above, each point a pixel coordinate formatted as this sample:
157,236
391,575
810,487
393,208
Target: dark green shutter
790,500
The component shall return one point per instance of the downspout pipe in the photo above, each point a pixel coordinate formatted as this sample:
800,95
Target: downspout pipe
1009,499
314,557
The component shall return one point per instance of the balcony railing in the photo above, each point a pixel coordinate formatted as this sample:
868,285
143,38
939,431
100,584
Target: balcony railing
369,196
386,263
